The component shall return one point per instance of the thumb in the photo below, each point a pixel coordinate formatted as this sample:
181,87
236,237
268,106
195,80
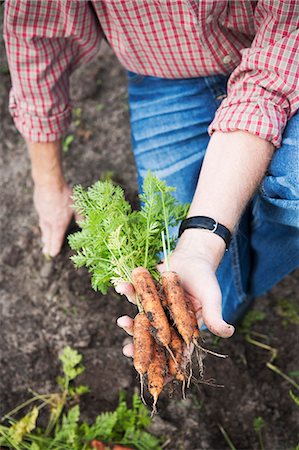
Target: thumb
211,303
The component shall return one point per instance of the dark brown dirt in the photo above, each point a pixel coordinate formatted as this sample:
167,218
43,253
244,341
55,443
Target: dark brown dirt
46,305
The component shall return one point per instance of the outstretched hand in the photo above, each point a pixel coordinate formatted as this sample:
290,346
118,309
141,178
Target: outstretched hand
197,275
54,208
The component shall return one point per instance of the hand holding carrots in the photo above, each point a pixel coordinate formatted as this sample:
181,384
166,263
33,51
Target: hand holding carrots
197,276
121,247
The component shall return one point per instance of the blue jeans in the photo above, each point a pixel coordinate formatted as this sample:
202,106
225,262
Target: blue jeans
169,121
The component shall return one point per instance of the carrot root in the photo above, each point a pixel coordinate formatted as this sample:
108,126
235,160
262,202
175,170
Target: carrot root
143,343
146,290
142,389
171,354
210,352
175,297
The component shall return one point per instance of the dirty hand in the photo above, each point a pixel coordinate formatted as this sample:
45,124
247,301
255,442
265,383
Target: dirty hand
195,259
53,205
52,195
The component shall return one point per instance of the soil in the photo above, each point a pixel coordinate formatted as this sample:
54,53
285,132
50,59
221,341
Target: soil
46,305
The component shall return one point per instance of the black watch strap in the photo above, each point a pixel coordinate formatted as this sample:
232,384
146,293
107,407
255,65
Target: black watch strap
209,224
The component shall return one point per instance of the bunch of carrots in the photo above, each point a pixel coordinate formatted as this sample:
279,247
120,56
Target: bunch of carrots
118,245
165,322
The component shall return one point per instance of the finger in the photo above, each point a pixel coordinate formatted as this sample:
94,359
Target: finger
45,237
128,350
128,290
126,323
56,240
212,314
208,308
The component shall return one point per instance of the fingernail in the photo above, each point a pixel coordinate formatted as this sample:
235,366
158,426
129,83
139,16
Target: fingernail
127,352
118,322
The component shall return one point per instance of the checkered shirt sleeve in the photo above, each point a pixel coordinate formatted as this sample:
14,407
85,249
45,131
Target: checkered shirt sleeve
41,56
263,91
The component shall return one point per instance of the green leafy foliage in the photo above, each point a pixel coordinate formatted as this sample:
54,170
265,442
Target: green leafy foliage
67,142
124,426
258,424
114,239
289,310
65,430
25,425
71,365
251,318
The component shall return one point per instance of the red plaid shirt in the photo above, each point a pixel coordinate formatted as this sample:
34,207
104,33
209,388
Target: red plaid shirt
254,41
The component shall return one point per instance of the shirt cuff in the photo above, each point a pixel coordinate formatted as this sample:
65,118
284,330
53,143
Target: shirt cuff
263,118
37,128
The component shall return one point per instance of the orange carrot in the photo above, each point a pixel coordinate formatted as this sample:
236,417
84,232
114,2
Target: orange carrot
143,343
196,332
177,305
148,295
120,447
98,445
156,373
176,345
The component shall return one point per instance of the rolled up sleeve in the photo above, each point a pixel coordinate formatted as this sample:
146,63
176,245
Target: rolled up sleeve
263,91
45,41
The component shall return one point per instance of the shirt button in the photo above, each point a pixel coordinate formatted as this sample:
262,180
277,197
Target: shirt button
227,59
209,19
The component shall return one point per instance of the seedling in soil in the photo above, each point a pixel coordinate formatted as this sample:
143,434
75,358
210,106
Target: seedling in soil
124,426
289,311
246,328
294,373
77,113
100,107
258,425
66,145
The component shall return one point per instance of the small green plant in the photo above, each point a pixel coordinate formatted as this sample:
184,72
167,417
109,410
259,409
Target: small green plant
77,113
65,430
289,311
100,107
67,142
246,328
258,425
252,317
294,373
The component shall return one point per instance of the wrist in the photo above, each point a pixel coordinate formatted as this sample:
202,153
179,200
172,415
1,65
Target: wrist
46,164
48,180
204,244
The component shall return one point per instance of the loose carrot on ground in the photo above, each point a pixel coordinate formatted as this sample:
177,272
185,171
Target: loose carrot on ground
176,345
156,373
148,295
143,344
177,305
98,445
120,447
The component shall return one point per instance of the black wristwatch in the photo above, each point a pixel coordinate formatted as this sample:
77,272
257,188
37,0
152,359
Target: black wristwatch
209,224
